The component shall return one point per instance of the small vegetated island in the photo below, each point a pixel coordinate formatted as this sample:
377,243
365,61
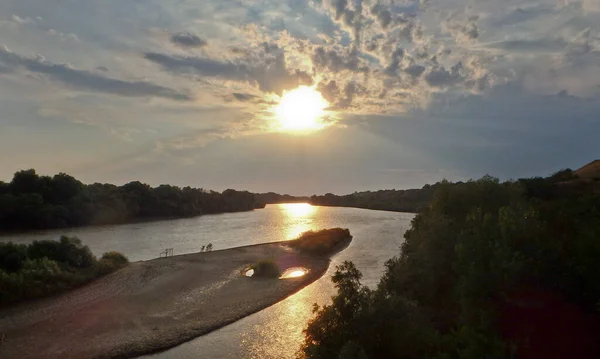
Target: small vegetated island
144,306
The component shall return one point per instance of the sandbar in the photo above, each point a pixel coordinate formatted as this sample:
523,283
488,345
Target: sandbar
152,305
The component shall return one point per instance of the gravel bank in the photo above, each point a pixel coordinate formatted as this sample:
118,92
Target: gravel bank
151,305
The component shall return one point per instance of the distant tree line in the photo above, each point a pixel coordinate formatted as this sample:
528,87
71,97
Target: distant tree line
272,198
31,201
48,267
411,200
488,270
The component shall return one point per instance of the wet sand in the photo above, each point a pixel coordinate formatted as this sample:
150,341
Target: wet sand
151,305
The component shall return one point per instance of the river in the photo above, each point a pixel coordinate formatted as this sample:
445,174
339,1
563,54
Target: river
275,332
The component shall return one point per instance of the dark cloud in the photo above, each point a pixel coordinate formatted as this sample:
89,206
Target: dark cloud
330,91
530,45
187,39
415,70
339,7
270,74
243,97
441,77
383,15
336,61
394,63
506,132
81,79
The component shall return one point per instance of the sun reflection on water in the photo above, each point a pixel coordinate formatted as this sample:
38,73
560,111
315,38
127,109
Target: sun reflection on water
293,273
297,218
297,210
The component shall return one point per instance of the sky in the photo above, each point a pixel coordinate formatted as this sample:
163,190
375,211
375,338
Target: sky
184,91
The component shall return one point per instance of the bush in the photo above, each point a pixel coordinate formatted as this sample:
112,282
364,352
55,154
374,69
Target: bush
266,268
111,261
12,256
115,258
323,242
49,267
67,251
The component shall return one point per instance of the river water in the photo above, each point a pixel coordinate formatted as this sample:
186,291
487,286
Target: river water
275,332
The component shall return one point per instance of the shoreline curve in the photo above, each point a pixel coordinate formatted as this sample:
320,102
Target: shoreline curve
151,306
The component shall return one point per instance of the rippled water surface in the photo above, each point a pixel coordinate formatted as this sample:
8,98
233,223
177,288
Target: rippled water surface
275,332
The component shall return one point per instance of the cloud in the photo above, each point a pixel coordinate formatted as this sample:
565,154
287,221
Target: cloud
329,90
382,14
415,70
336,60
463,31
85,80
530,45
243,97
523,14
441,77
269,73
187,39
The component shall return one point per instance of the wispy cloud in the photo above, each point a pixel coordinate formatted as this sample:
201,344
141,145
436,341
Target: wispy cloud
86,80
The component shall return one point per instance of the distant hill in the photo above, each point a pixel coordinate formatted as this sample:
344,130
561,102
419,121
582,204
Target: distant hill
589,171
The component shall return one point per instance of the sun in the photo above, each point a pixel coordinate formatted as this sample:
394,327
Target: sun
301,110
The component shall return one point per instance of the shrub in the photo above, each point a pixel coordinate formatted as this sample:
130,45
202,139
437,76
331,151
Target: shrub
12,256
111,261
48,267
67,251
323,242
266,268
117,259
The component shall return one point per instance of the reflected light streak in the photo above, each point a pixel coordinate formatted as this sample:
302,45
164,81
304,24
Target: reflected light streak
293,273
297,210
298,218
296,273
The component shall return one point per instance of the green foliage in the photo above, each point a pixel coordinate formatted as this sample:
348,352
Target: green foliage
31,201
412,200
12,256
110,262
323,242
465,257
48,267
67,251
266,268
563,175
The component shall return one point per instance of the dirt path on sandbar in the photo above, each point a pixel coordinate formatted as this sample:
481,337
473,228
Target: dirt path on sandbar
151,305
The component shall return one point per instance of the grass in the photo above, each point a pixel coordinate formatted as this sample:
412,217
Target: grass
324,242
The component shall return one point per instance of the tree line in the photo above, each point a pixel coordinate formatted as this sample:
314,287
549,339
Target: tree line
411,200
487,270
31,201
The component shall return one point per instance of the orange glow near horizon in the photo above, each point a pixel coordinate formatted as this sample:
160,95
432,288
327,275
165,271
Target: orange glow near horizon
297,210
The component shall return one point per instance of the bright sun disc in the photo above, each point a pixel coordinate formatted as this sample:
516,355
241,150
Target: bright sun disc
301,109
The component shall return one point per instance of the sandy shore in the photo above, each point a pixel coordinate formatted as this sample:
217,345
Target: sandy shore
151,305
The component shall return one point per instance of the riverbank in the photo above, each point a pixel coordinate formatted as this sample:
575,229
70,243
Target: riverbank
152,305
